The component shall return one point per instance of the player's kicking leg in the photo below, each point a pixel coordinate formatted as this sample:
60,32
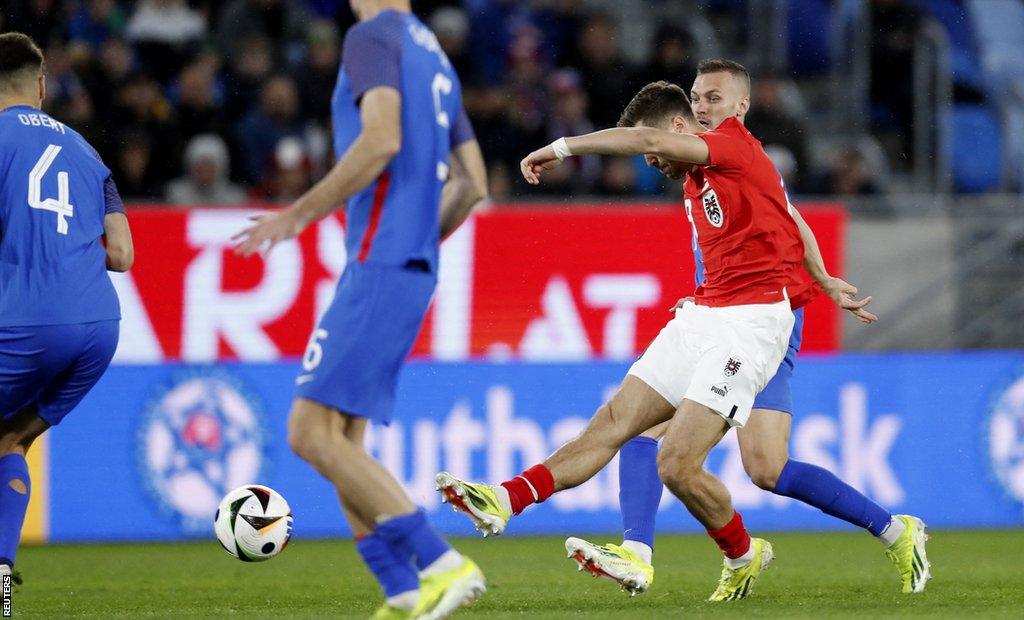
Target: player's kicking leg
764,445
629,564
421,575
634,408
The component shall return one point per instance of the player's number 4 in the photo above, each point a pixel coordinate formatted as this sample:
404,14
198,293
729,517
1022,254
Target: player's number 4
60,205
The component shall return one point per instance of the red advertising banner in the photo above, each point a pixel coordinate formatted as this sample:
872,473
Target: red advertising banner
537,283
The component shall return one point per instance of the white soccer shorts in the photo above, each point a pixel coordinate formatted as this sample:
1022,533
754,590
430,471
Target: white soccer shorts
720,357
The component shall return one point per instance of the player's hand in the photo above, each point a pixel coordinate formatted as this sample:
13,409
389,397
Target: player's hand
269,230
843,293
536,162
679,304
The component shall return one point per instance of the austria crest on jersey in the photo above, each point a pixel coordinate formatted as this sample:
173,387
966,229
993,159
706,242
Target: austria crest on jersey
712,208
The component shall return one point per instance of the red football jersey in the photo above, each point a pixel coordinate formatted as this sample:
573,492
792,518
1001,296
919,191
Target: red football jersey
749,242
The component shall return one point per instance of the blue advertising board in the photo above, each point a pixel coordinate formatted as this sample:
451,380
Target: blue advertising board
152,449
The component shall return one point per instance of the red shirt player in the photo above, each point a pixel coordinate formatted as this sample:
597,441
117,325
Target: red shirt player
743,223
705,367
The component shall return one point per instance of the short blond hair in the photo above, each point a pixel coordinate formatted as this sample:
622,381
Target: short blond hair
724,65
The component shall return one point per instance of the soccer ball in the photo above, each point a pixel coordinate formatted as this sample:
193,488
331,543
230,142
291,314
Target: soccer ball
253,523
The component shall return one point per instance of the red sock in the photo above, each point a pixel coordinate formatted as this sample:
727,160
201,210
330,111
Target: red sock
533,486
733,538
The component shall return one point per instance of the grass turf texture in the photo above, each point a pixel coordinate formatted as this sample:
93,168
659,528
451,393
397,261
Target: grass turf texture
979,574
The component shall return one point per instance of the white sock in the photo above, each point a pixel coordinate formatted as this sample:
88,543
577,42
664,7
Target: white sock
639,548
743,560
892,532
502,494
405,600
449,560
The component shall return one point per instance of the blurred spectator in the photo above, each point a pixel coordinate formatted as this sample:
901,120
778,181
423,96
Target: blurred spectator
319,72
206,181
499,182
108,70
672,58
560,22
282,22
139,105
451,25
95,21
894,25
775,120
488,110
618,177
490,35
276,117
39,19
133,167
785,163
245,75
528,92
200,102
66,96
848,176
569,118
135,78
166,34
290,172
607,78
325,8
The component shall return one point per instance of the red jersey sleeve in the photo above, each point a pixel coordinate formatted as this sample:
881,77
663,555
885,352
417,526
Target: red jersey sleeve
727,152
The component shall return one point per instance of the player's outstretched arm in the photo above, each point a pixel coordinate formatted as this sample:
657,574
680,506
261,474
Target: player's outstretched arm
625,141
377,144
840,291
118,239
465,188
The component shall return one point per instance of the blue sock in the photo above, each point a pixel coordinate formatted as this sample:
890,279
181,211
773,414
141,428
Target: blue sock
13,504
639,489
393,575
412,538
820,488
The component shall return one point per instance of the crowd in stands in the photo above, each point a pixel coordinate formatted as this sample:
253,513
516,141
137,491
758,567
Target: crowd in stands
222,101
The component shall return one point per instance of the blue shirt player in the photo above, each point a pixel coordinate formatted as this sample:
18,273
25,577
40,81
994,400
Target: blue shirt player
408,171
62,226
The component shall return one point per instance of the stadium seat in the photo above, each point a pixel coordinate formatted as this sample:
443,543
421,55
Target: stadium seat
977,149
1013,124
809,34
1000,28
954,17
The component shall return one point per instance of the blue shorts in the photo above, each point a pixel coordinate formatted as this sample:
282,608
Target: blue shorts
778,394
356,352
53,366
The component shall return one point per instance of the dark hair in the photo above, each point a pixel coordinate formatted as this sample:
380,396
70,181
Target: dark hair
718,65
18,53
655,102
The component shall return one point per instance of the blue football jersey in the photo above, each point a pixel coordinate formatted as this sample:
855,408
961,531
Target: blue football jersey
395,219
52,204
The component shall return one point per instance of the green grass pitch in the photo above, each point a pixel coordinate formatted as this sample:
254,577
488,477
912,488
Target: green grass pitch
976,574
